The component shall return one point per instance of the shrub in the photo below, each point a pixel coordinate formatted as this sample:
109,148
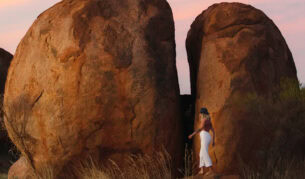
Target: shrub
282,119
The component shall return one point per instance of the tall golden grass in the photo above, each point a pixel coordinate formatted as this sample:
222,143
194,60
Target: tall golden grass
15,123
138,167
156,166
145,167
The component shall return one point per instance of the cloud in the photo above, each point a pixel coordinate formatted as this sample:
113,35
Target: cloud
16,16
183,76
6,3
294,26
9,39
186,9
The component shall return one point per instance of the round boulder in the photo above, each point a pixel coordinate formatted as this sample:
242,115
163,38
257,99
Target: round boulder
95,79
235,53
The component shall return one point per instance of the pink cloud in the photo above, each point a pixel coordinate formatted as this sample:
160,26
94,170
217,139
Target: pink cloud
294,26
16,16
184,76
186,9
6,3
9,40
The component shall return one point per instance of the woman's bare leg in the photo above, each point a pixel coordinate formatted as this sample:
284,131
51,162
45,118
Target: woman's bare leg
210,171
201,171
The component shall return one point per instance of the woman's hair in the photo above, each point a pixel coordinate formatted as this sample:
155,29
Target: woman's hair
206,116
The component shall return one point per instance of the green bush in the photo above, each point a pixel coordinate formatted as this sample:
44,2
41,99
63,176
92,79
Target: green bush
282,119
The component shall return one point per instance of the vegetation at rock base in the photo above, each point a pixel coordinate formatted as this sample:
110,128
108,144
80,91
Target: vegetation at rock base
143,167
158,167
277,168
283,118
286,113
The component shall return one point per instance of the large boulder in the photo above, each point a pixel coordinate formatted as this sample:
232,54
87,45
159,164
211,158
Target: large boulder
95,78
235,51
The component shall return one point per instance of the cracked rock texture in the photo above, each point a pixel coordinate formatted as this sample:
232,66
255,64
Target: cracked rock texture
95,78
235,50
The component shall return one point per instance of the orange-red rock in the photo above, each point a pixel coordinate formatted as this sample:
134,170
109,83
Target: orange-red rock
95,78
235,50
20,169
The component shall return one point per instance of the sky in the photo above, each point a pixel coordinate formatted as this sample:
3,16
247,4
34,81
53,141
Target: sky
16,16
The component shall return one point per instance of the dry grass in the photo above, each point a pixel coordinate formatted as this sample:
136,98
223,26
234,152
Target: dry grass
189,163
16,116
277,168
3,176
138,167
158,166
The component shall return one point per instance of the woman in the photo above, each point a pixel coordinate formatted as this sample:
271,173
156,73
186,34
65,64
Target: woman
205,126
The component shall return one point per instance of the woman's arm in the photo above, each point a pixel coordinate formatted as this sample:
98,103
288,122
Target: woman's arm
213,135
201,125
195,132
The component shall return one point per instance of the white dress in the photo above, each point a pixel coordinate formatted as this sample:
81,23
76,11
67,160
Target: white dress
205,139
